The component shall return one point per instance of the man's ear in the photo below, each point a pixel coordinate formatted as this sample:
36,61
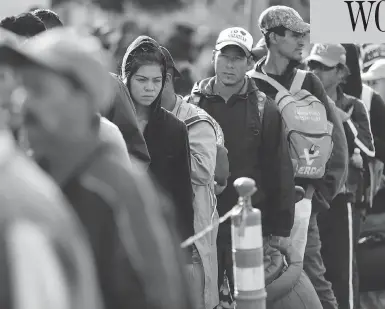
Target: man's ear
250,63
273,38
213,56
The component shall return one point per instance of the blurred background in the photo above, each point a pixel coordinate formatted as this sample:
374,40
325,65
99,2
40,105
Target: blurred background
188,28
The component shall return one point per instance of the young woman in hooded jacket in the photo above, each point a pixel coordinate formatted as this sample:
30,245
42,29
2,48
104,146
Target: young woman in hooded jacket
144,73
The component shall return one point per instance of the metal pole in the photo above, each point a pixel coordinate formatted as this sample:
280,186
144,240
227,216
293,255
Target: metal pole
247,245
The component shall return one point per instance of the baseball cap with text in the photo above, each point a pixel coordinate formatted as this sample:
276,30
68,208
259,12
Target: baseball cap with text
235,36
68,53
280,15
328,54
376,71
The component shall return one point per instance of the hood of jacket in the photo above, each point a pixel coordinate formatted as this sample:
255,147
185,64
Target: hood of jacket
142,44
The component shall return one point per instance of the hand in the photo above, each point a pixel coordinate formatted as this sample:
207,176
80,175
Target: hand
357,161
279,242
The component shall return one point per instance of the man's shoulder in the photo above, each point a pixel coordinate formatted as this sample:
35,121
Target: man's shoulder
108,174
31,190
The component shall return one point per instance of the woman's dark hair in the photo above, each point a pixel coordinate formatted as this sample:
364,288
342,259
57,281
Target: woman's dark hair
145,54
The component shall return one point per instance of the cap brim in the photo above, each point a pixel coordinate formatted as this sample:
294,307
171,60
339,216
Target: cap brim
300,27
369,76
325,61
229,43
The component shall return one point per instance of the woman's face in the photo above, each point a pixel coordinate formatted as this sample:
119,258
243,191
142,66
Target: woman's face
146,84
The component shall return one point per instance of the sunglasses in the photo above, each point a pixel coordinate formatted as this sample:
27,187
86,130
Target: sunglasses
315,65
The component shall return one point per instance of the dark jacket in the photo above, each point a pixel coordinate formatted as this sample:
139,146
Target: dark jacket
123,115
133,247
167,142
328,187
358,135
255,149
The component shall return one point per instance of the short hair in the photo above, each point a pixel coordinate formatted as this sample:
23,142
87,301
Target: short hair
26,24
49,18
280,30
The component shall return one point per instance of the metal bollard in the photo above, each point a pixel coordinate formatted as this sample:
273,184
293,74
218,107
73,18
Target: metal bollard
247,245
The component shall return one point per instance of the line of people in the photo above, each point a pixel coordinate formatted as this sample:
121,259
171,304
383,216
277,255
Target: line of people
110,173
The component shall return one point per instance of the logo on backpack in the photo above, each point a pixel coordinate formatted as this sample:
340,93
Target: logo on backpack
310,155
308,131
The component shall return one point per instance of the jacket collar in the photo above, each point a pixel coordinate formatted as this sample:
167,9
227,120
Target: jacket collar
206,87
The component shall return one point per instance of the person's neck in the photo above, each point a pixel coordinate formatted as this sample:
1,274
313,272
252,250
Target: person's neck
169,101
332,93
66,158
142,112
275,64
226,91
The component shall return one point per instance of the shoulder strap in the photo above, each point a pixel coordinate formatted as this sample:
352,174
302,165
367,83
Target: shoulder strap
366,96
298,81
193,99
271,81
260,99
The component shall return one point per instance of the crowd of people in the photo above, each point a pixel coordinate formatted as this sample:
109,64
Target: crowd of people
105,173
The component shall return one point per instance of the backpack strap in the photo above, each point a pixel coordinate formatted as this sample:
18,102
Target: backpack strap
266,78
298,81
366,96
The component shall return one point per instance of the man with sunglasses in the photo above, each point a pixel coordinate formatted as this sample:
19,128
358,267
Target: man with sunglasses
253,134
328,62
285,35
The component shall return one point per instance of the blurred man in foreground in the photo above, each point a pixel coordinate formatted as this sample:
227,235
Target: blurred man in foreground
45,259
66,78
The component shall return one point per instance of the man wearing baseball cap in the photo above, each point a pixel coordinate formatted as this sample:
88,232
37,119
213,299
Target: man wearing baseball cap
375,78
66,81
285,34
336,225
45,257
256,148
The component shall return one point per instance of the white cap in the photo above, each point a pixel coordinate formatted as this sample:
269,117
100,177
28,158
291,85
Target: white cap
376,71
235,36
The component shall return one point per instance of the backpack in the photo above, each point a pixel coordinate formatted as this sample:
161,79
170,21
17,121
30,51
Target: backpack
202,115
308,131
